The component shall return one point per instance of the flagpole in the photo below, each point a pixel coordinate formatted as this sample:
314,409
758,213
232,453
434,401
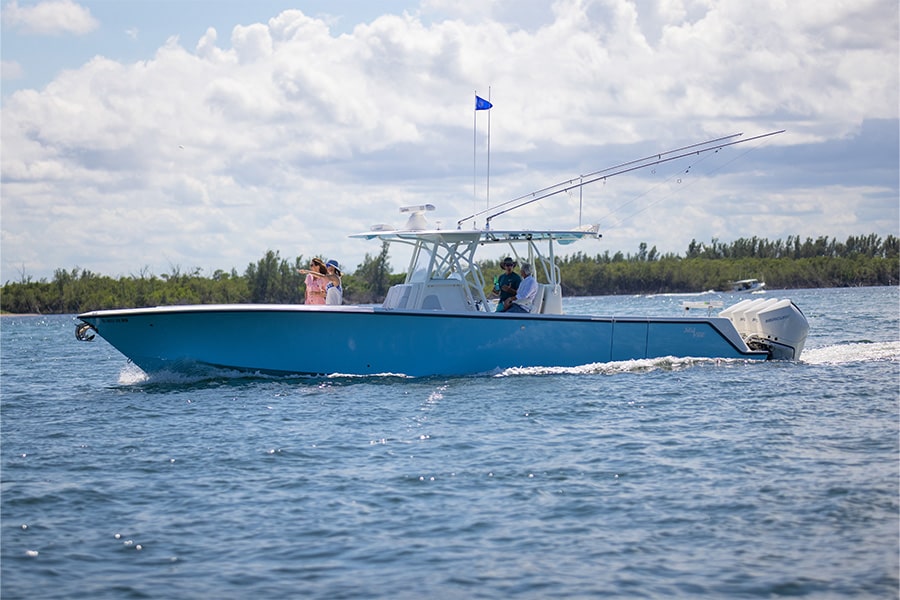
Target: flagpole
474,153
487,200
480,104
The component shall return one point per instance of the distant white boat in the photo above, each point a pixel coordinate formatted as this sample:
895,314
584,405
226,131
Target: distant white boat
747,286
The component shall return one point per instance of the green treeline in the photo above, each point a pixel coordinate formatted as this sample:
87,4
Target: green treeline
782,264
792,263
271,280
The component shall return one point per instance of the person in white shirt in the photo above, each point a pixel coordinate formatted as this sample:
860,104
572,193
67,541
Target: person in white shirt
334,291
524,297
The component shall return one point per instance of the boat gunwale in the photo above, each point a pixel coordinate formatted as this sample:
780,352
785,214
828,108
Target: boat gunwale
379,310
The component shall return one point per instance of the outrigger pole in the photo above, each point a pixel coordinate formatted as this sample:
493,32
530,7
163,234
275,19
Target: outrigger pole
626,167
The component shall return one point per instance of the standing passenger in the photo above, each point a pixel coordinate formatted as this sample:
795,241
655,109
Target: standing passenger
334,293
315,281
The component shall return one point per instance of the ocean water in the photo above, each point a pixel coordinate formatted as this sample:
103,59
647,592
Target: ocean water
642,479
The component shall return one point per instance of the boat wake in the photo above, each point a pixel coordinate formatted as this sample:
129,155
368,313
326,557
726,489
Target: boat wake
667,363
843,353
678,294
132,375
851,352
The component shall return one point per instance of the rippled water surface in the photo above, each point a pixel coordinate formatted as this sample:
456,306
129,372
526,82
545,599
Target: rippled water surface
645,479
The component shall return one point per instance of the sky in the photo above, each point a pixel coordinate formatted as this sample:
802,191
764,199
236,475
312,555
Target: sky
153,137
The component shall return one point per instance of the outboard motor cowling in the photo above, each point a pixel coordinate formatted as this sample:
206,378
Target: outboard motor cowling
776,326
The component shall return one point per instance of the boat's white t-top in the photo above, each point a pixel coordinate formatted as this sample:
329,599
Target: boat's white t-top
443,274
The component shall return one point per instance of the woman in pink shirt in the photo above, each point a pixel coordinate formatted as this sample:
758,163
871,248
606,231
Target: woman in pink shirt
315,282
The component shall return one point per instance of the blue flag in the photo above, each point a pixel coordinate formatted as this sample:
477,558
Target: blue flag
482,104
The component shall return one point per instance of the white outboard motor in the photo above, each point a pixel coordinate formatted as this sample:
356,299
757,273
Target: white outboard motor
776,326
736,313
783,328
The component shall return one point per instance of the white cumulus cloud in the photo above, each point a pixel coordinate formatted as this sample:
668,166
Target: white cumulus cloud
52,17
10,69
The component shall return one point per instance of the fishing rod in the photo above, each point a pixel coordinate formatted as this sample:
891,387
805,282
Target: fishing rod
543,192
603,174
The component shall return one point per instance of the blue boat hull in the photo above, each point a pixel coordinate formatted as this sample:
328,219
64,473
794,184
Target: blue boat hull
371,340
